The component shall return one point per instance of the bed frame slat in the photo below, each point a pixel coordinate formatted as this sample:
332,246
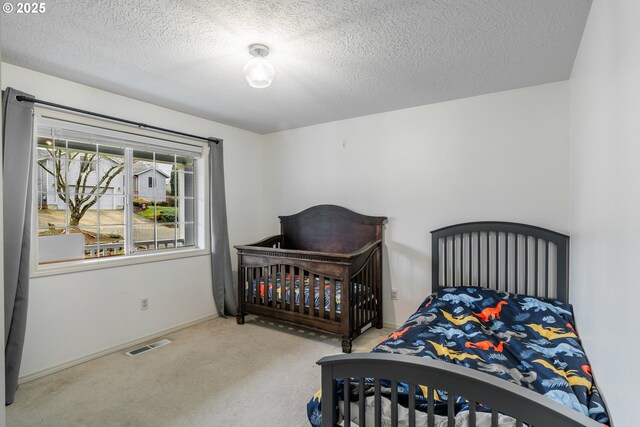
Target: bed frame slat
506,262
494,418
526,266
378,403
394,403
412,405
537,267
453,261
431,419
546,270
347,402
361,405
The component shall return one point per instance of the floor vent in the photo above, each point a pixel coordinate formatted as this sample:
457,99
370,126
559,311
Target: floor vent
148,347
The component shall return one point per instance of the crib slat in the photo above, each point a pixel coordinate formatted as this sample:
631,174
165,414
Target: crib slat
355,298
353,303
518,423
265,280
245,287
378,404
412,405
494,418
283,283
347,402
368,287
292,291
332,299
312,294
361,405
362,286
358,290
283,291
322,291
251,284
394,403
304,290
319,292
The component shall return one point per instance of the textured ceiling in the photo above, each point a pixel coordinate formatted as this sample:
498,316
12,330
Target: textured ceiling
334,59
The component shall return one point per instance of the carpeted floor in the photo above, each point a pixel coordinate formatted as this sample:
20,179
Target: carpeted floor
213,374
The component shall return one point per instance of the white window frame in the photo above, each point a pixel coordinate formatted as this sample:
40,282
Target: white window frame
201,199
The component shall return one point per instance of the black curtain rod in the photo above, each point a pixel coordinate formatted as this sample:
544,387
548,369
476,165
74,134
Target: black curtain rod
116,119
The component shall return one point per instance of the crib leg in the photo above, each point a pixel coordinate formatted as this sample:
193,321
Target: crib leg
240,319
379,322
346,345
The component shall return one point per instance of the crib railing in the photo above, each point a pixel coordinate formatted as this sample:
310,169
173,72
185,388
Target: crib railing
337,293
366,294
292,289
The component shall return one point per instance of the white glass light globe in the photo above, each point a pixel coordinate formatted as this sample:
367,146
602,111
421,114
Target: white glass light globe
259,73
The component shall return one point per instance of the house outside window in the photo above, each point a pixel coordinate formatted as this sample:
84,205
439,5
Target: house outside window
105,193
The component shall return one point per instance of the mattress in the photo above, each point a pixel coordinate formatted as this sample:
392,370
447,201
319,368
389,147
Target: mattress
528,341
363,291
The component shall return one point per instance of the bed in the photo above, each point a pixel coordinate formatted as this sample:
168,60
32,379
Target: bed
324,271
497,340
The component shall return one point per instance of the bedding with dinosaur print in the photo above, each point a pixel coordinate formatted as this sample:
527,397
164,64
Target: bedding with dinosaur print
529,341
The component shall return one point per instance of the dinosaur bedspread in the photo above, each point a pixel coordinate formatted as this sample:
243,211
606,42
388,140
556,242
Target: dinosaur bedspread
529,341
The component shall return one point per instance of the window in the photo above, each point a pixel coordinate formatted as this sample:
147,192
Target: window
90,204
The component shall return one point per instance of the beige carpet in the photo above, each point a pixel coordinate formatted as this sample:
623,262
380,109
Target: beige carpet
216,373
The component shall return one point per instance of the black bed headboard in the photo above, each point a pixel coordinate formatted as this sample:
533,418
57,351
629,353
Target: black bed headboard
506,256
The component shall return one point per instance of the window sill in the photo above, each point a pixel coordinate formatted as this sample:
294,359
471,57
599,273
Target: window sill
99,264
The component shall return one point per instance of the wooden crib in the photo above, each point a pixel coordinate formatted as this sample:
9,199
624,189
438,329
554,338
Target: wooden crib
324,271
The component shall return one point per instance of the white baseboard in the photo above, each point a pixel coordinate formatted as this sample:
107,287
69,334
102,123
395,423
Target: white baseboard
390,326
74,362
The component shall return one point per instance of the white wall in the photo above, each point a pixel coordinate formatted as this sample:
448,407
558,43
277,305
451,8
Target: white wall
75,315
501,156
605,199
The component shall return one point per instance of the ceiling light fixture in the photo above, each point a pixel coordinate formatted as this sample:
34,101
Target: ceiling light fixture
258,72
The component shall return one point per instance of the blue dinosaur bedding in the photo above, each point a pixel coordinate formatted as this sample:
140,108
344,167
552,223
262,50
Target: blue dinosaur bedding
364,291
529,341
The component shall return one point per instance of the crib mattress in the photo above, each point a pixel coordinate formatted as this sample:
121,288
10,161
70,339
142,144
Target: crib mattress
363,292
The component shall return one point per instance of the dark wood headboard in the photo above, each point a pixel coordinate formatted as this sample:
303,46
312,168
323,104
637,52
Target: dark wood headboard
507,256
330,228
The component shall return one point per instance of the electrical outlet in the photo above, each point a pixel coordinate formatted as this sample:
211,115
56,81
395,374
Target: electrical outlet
144,303
394,294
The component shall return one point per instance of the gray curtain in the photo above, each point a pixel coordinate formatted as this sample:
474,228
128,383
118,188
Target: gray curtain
224,292
17,143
